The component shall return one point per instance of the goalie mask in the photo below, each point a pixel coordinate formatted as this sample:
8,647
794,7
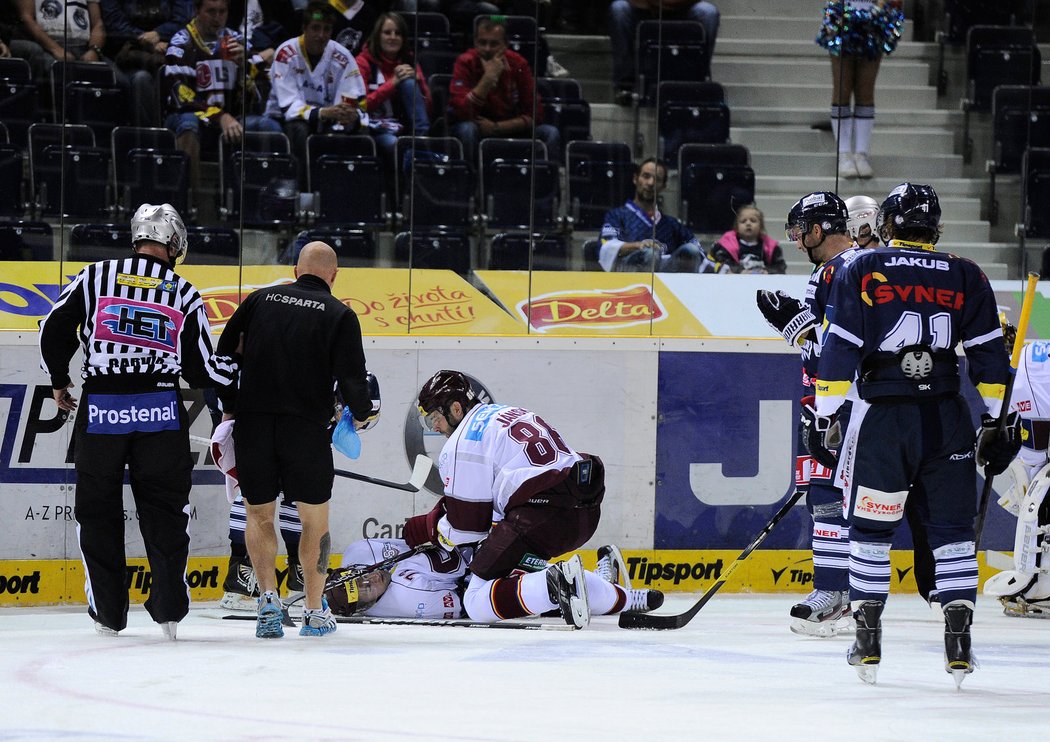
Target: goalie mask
160,224
863,212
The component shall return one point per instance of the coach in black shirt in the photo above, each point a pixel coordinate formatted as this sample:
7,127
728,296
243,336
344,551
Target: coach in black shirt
297,339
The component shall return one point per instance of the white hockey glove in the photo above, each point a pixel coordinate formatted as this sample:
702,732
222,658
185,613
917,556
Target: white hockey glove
787,315
820,434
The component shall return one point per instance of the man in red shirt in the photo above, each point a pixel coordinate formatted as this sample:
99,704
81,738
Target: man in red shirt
493,94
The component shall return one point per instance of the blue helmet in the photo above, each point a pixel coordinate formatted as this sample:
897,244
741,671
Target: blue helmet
910,206
820,207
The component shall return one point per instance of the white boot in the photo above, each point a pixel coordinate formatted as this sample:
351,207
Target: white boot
847,167
862,165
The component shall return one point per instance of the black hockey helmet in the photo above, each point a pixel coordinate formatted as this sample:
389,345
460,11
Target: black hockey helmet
440,391
819,207
910,206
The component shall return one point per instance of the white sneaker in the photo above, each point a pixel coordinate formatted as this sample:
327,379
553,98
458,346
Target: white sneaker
237,602
863,165
847,167
554,69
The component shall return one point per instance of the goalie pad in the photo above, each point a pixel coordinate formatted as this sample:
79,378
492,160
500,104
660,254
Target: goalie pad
786,314
1033,524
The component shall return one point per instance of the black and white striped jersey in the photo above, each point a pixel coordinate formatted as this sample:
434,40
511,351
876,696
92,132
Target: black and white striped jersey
135,320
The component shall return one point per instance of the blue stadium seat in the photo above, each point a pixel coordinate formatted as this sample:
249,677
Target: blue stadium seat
716,180
434,249
512,251
600,178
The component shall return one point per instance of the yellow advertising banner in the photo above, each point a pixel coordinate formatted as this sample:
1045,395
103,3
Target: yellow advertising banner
554,303
58,581
388,301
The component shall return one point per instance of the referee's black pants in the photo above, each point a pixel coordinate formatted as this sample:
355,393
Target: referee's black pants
159,469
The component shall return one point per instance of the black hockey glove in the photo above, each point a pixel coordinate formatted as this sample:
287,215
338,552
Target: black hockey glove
996,450
786,314
820,434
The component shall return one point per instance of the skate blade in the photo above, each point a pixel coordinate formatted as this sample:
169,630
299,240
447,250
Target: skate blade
958,675
867,673
823,629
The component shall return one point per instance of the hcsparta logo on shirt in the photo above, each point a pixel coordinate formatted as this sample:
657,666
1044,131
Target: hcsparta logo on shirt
138,323
875,288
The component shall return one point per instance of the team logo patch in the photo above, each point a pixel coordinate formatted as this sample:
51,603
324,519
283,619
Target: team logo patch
116,414
138,323
138,282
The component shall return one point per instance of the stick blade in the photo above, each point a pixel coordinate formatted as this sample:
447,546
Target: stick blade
420,472
651,621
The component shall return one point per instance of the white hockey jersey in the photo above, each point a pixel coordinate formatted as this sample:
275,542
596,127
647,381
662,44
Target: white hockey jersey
498,455
298,88
422,586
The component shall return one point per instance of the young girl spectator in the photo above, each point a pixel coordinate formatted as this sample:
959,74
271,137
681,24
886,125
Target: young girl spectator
857,34
746,248
398,100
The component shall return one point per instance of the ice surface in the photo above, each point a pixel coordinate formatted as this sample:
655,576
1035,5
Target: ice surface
734,673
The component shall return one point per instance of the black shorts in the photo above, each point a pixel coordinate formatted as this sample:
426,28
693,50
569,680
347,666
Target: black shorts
278,453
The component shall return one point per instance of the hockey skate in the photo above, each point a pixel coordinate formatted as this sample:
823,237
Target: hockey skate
294,581
102,630
866,652
958,660
169,629
318,622
240,586
268,624
611,566
822,613
567,588
643,601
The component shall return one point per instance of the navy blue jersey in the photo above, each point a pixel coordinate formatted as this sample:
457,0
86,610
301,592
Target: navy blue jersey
817,293
893,298
630,223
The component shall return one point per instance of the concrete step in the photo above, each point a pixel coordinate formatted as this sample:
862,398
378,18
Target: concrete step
782,47
918,168
777,25
877,187
787,94
777,205
818,112
886,140
816,71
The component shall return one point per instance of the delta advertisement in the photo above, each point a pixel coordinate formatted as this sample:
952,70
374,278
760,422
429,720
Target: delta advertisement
395,301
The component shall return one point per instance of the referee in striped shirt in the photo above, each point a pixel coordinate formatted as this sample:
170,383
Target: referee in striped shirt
140,326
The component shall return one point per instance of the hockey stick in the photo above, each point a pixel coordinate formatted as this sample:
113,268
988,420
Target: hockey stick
631,620
1015,360
420,472
460,622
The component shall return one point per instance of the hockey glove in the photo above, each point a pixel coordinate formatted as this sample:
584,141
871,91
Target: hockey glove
995,448
422,529
377,403
786,314
820,434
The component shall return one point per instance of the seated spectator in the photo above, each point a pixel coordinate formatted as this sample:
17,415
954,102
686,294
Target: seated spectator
637,237
317,87
203,79
68,31
269,23
492,94
398,100
355,20
747,248
624,17
138,32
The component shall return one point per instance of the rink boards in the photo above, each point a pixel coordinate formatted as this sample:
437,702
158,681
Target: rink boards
697,437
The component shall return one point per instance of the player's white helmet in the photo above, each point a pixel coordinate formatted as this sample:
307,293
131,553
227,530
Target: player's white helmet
863,210
160,224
